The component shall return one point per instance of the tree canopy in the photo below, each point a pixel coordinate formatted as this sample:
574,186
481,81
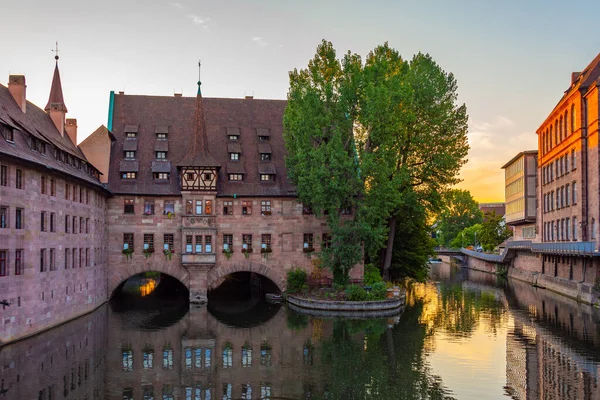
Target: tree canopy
460,211
379,137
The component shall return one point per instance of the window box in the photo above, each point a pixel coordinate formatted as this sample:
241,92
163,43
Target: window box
246,251
128,253
168,253
227,250
265,251
148,252
266,213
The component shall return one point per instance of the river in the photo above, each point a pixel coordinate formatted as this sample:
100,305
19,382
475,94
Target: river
463,335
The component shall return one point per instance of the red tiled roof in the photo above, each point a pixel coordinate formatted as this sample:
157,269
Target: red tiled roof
222,117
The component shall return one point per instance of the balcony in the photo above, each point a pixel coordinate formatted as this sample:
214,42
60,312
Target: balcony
198,258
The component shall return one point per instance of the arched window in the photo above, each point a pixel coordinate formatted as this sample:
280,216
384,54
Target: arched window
566,124
573,119
560,128
556,136
551,130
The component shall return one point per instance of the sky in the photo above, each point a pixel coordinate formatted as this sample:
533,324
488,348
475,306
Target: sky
512,59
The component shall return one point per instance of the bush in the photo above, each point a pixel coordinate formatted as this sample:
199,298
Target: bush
372,275
378,291
356,293
296,280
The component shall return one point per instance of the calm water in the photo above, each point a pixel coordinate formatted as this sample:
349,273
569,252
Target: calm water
464,335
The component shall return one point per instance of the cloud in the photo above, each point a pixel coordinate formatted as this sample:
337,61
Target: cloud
177,5
198,20
259,40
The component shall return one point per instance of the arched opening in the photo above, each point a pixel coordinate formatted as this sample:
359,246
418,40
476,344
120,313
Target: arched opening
151,299
240,299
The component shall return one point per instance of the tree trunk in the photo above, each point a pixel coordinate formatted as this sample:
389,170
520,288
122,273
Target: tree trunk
388,250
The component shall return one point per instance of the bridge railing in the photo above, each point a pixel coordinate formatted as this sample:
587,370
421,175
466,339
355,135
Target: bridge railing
568,248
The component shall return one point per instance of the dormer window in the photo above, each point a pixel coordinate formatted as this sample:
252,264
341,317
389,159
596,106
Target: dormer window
7,132
131,135
161,135
236,177
234,138
263,138
263,134
161,155
161,131
234,156
161,176
129,175
265,156
42,147
130,155
266,177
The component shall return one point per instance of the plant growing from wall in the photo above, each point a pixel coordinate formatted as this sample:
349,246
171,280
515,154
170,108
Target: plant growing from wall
128,253
148,252
168,253
246,252
228,252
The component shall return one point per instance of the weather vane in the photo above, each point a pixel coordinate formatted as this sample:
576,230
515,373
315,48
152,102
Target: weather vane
56,52
199,70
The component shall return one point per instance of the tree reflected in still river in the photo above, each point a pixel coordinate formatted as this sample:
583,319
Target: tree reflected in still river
463,335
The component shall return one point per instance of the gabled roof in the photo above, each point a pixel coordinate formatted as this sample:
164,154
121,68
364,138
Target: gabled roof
242,116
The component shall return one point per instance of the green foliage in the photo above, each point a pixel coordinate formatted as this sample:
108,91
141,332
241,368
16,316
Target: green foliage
493,231
460,211
467,237
372,275
296,280
356,293
378,291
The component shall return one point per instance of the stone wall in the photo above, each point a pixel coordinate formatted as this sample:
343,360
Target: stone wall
42,299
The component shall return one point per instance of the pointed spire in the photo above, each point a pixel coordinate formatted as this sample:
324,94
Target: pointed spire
199,155
56,101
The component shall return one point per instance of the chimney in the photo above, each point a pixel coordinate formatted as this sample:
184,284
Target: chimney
71,129
17,87
249,97
574,76
178,94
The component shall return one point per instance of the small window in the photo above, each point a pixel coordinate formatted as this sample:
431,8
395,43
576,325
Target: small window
198,243
265,156
265,241
18,262
188,243
265,207
346,210
227,242
198,207
208,207
3,262
42,148
4,217
148,207
169,207
308,242
52,187
42,260
326,241
149,241
19,218
208,244
3,175
168,241
266,178
234,156
189,207
247,242
19,179
161,155
43,185
235,177
190,176
129,175
208,177
161,135
67,191
228,208
131,135
246,207
43,221
129,206
263,138
234,138
52,222
130,155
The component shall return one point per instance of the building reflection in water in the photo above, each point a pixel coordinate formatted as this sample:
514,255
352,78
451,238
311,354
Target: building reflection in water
200,354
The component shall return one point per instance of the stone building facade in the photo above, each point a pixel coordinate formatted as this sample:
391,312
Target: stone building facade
52,216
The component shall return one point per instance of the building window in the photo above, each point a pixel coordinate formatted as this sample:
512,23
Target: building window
348,210
169,207
265,207
265,241
131,135
168,241
148,361
161,176
81,264
208,244
74,193
81,194
67,191
567,194
3,175
67,222
198,207
43,221
52,187
326,241
567,228
573,159
42,260
575,228
43,185
265,156
19,179
227,242
189,207
18,262
228,208
573,119
67,253
263,138
233,137
51,261
148,207
3,217
247,243
19,218
74,258
266,177
235,177
149,241
208,207
129,207
3,262
247,358
198,244
87,225
129,175
130,155
308,242
234,156
188,243
246,207
161,155
81,225
574,186
52,224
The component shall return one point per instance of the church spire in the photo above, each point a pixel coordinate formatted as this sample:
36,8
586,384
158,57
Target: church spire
56,100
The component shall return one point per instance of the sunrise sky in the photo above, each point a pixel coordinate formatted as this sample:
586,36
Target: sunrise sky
512,58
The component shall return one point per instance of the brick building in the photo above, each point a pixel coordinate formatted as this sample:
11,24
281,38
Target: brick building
52,212
200,190
520,193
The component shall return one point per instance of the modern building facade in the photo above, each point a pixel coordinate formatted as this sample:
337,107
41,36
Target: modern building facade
52,215
520,193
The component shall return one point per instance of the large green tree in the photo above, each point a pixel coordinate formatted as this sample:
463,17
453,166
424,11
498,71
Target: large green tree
460,211
377,137
493,231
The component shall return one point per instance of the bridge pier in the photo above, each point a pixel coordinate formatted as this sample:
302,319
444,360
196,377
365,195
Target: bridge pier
199,282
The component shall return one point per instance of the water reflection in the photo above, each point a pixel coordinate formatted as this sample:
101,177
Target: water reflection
463,335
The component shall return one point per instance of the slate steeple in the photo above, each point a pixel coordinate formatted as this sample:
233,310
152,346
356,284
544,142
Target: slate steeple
56,107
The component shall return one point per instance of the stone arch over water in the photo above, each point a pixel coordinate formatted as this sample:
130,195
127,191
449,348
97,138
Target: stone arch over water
119,276
217,275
